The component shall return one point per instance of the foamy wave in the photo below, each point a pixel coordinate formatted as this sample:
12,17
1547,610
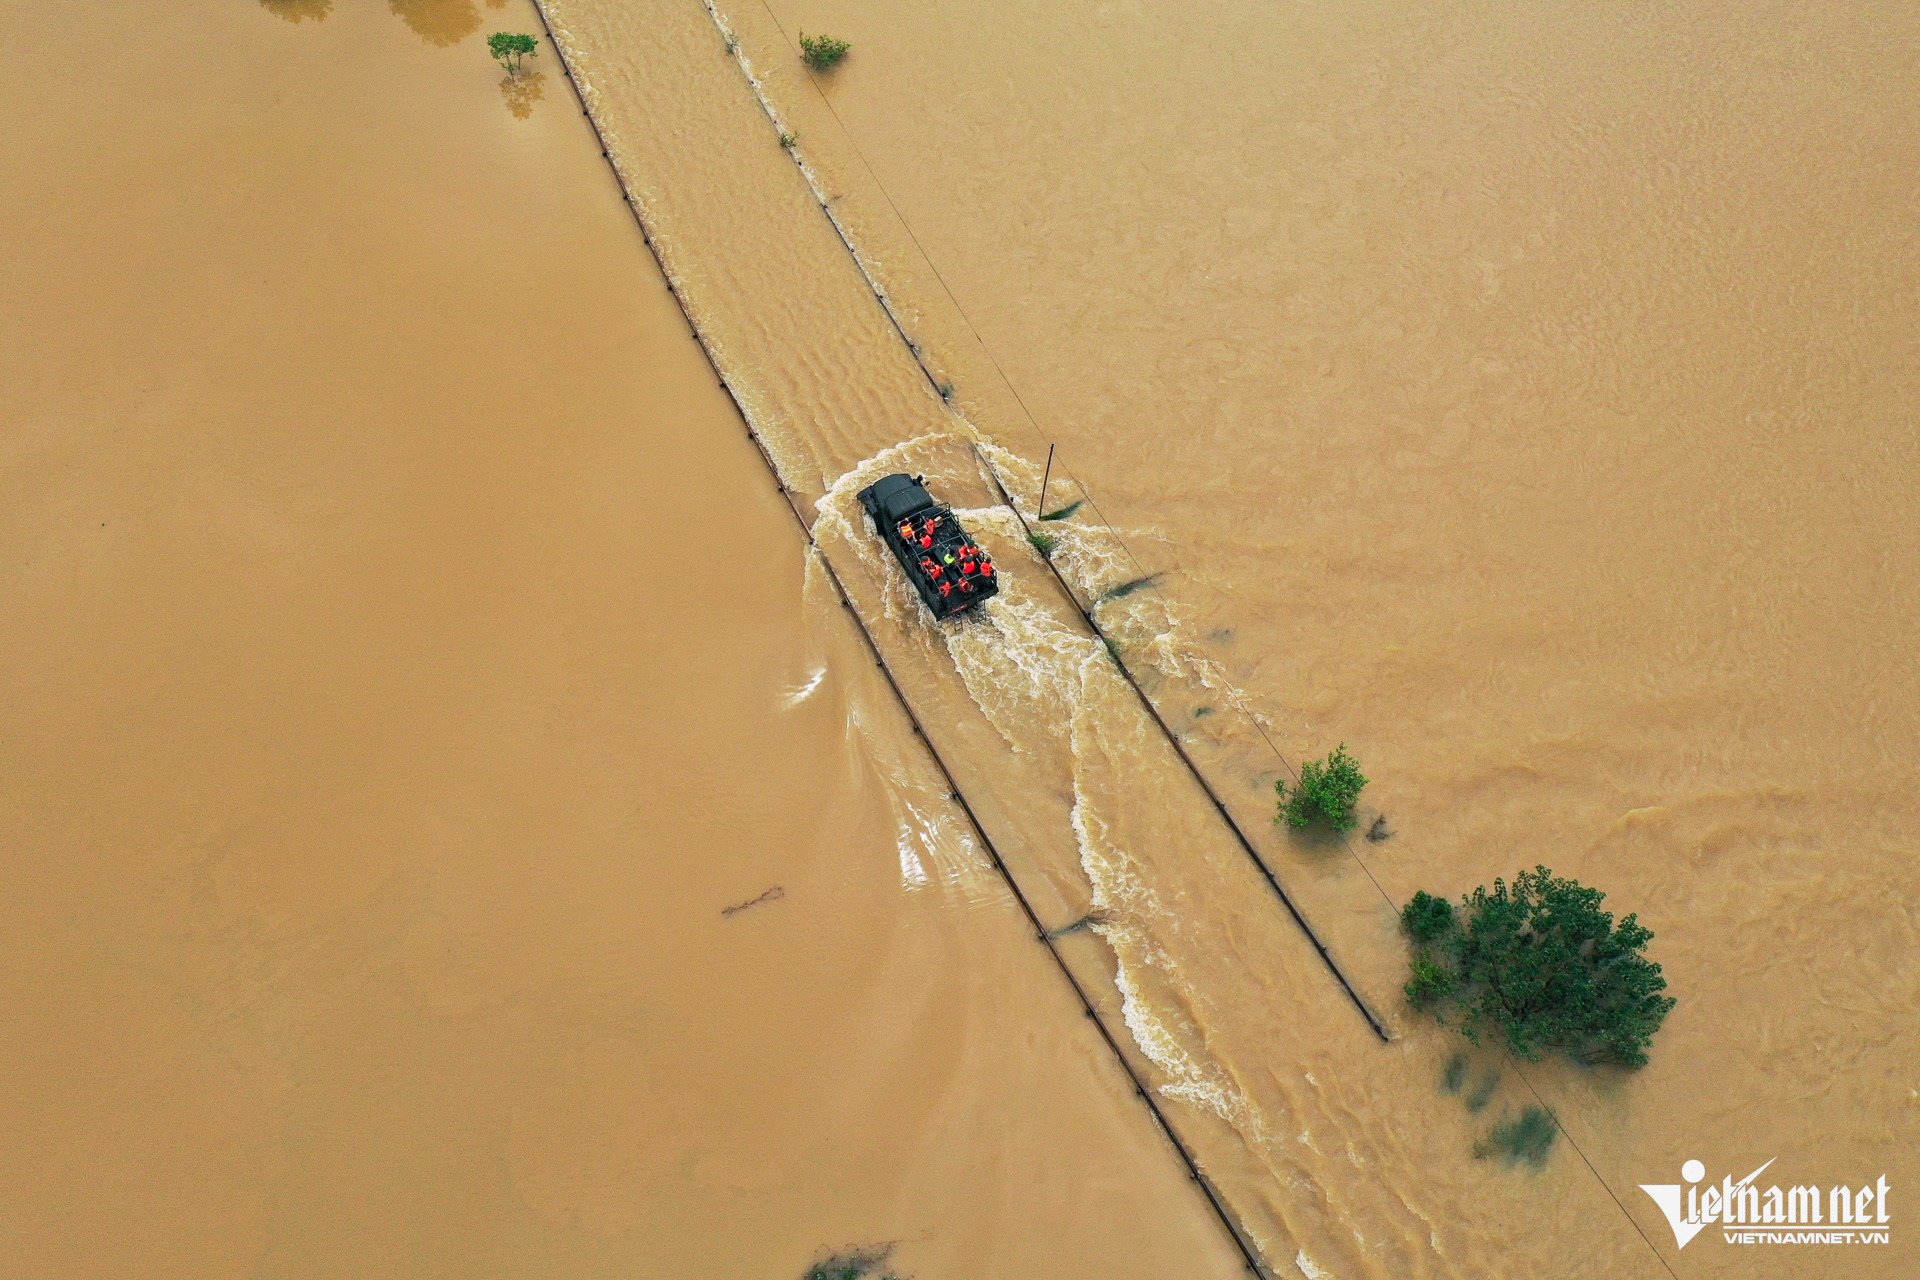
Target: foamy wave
799,693
1309,1269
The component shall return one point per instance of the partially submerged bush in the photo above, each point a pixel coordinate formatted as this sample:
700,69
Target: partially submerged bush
1540,965
1429,981
822,53
857,1265
508,48
1326,792
1426,917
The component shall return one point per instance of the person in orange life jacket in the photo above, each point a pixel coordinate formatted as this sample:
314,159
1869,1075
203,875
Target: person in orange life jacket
946,589
905,530
928,567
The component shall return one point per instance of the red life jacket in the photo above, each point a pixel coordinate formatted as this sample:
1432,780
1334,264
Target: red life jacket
946,589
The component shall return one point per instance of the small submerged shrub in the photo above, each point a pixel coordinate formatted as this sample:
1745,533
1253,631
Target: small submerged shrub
946,391
1528,1137
1455,1076
1061,513
1326,792
1126,588
861,1264
1043,543
822,53
787,140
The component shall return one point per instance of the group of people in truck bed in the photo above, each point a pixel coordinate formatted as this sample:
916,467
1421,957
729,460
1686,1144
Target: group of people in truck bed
950,563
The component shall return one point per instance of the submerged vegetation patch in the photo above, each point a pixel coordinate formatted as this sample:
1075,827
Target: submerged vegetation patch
859,1264
1061,513
1042,542
1126,588
1527,1137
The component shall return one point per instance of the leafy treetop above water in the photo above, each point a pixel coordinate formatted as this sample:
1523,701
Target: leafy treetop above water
508,48
822,53
1541,965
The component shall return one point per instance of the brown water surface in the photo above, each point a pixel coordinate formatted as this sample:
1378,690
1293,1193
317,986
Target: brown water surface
408,664
1523,395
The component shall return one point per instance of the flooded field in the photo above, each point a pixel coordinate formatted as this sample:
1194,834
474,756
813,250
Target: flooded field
455,829
449,828
1522,397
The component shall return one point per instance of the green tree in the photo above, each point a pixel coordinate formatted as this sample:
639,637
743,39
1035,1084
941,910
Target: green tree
1426,918
822,53
508,48
1326,793
1429,981
1540,965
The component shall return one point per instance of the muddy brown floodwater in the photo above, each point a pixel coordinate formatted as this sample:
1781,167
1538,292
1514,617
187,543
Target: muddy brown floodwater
1523,395
408,666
